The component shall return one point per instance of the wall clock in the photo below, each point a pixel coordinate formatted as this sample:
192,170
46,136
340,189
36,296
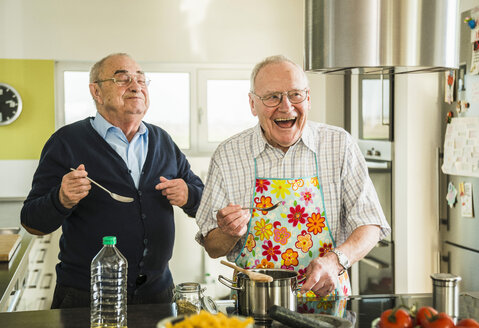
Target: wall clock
10,104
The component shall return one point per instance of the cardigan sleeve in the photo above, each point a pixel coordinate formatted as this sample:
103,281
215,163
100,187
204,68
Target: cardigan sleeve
194,183
42,209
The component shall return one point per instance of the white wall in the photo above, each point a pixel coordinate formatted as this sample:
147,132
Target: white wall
177,31
417,136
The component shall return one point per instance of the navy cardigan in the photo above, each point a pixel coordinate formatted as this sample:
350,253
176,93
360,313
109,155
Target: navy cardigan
145,228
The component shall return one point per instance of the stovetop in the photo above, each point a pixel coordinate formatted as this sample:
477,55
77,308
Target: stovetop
362,310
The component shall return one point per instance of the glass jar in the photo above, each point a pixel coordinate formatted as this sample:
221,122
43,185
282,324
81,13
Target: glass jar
188,298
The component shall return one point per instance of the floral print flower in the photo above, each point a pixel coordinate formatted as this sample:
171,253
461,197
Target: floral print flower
263,229
265,264
250,242
325,248
297,215
281,235
315,223
304,242
345,290
324,305
295,184
263,202
301,273
286,267
307,195
314,181
290,257
280,188
262,185
305,309
271,251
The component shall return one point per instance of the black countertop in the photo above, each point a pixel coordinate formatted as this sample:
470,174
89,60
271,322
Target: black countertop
361,309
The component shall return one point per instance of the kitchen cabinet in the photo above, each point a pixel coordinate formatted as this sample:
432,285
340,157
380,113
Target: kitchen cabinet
41,275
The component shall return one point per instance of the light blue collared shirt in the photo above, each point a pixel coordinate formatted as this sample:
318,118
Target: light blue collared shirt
133,152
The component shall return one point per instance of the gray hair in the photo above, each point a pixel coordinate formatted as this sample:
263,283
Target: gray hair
272,60
96,68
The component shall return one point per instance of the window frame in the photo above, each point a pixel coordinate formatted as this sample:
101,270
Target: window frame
199,74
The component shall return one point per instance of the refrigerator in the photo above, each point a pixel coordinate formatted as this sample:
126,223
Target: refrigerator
458,162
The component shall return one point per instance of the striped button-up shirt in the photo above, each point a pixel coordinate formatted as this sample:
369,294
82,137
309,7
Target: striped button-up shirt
349,195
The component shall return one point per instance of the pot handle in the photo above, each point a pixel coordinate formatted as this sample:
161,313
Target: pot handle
225,282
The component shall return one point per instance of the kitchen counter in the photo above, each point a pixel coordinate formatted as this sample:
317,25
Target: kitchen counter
361,309
13,272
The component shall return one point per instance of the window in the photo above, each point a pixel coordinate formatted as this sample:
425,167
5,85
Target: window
223,101
198,106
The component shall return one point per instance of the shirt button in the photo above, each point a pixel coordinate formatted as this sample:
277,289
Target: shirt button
145,251
143,216
145,241
129,171
139,192
142,264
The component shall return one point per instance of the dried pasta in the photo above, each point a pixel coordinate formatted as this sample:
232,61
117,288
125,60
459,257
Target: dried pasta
207,320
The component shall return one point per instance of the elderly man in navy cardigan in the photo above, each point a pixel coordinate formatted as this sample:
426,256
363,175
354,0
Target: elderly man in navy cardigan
129,157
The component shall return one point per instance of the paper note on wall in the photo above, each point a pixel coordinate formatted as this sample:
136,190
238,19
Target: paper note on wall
461,147
466,200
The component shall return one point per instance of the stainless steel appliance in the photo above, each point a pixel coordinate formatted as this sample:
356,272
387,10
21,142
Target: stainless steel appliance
376,270
369,118
364,36
459,250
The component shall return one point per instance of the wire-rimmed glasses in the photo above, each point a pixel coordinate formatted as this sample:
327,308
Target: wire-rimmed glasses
275,98
124,79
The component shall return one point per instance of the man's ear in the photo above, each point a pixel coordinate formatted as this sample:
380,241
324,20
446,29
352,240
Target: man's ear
96,93
251,105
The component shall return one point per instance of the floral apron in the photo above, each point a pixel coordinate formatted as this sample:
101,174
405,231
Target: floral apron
292,235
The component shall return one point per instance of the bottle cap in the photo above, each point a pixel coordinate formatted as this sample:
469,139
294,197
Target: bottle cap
109,240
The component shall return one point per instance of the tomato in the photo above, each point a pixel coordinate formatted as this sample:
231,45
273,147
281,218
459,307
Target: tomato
423,314
440,320
468,323
395,318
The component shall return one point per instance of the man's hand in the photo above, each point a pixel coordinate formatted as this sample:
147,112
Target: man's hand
233,220
75,186
322,275
176,191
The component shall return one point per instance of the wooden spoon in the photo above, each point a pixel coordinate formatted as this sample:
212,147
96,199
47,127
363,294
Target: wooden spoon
256,276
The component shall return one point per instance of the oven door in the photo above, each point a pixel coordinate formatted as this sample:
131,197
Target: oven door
376,270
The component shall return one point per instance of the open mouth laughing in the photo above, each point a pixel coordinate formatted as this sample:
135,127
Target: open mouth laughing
285,122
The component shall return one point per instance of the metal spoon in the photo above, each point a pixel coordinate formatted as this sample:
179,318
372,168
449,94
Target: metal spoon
256,276
265,209
117,197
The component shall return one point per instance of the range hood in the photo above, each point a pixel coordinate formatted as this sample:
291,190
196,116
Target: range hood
381,36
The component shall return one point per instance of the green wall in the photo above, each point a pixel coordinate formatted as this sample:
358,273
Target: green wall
34,81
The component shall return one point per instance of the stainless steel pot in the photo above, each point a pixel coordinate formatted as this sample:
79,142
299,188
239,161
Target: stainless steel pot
255,298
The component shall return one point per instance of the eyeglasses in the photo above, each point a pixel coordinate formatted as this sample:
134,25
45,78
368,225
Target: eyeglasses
124,79
275,98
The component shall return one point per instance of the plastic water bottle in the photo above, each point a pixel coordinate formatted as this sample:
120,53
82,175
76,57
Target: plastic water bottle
108,292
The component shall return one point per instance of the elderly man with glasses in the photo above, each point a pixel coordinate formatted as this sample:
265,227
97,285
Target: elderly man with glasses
129,157
329,215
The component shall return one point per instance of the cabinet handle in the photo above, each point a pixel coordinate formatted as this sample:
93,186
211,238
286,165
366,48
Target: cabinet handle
15,298
33,278
41,255
47,281
374,263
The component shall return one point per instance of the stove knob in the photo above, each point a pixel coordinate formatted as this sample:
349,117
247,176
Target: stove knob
377,153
